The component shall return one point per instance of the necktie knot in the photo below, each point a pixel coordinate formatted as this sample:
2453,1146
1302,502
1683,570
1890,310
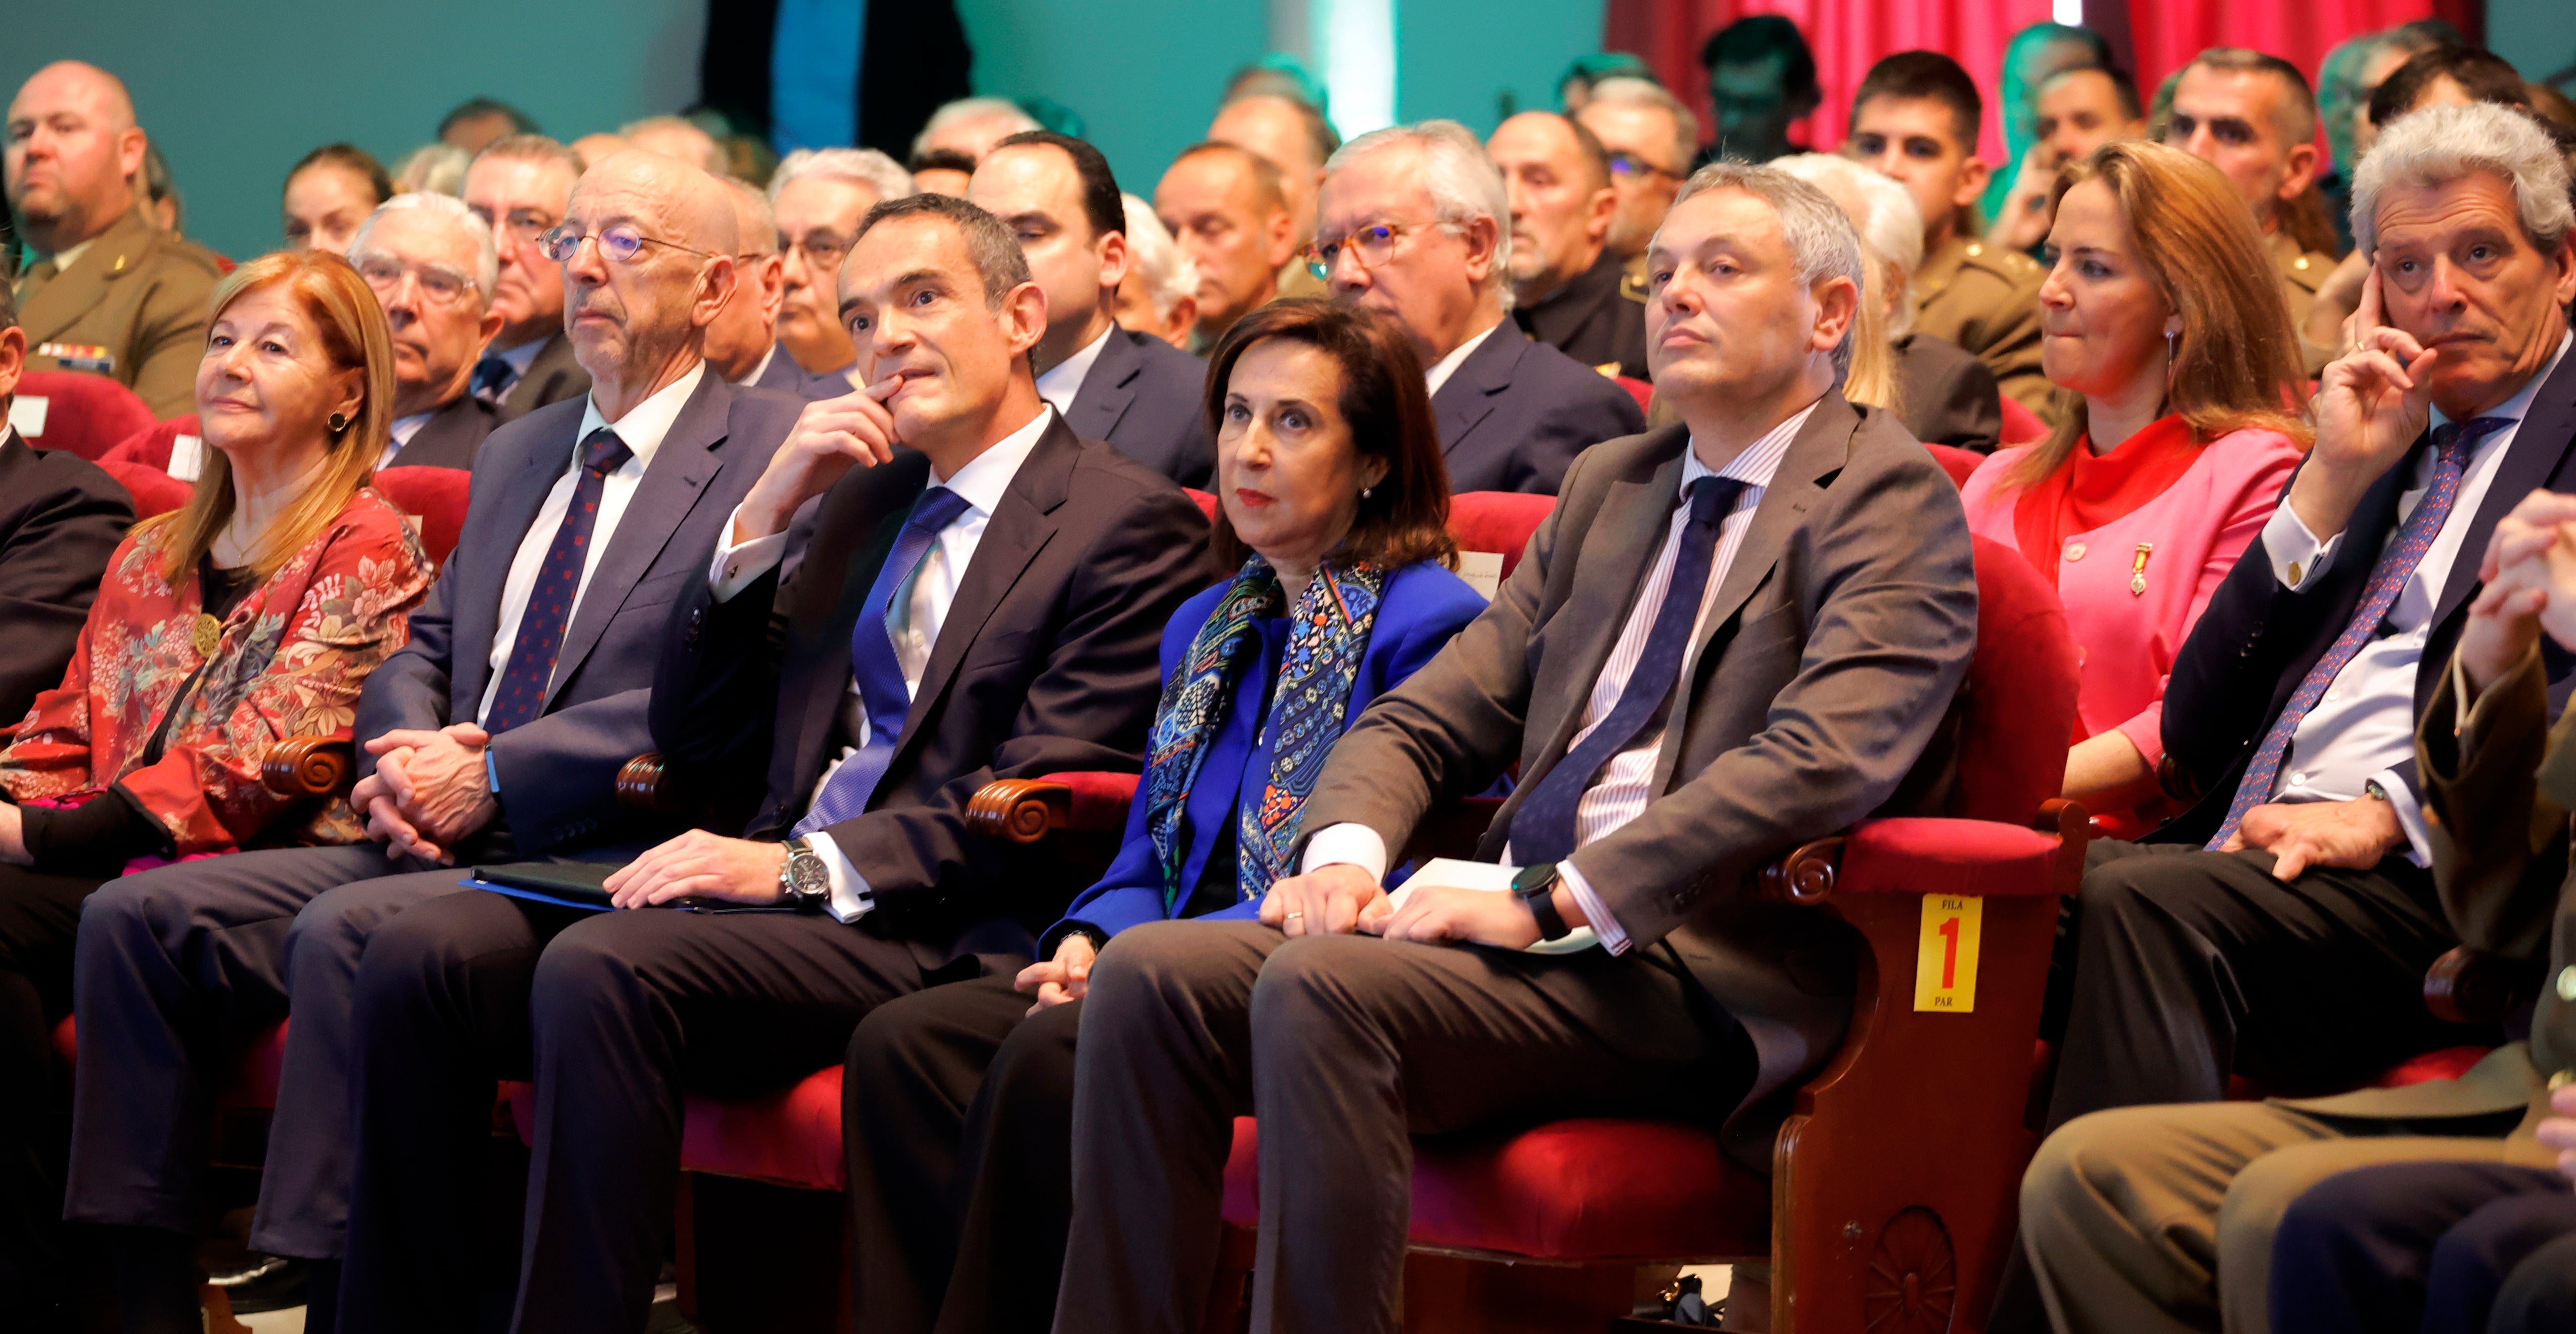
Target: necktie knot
603,452
2455,439
489,375
1712,498
937,508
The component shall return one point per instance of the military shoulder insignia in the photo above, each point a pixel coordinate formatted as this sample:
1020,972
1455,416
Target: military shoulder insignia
1632,286
1608,368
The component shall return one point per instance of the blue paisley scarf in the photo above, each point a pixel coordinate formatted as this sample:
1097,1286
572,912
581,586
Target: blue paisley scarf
1328,636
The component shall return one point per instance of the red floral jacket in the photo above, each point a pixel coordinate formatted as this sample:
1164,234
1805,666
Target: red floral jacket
288,662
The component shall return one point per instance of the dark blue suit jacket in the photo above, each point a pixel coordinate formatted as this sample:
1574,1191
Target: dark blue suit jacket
2258,640
1515,413
558,773
1424,607
1144,397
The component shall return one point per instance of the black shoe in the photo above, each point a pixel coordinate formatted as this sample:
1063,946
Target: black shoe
264,1283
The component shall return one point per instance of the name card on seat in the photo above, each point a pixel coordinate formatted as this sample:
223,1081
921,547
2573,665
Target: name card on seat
1483,571
187,457
27,414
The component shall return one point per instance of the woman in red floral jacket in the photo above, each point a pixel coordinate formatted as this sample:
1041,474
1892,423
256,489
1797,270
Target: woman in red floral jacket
253,613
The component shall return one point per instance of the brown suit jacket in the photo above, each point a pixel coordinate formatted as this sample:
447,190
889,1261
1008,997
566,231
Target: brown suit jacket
1834,646
136,293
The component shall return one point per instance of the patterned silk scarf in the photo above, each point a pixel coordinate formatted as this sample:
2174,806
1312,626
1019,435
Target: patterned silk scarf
1328,636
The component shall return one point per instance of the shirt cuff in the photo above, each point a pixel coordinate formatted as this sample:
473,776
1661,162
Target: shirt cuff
2409,810
736,567
851,898
1594,910
1348,843
2296,553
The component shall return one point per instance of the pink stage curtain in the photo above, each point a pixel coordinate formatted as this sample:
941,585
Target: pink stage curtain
2170,32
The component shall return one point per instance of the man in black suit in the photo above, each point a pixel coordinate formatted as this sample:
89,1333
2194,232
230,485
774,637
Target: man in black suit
433,266
2282,925
496,734
1131,389
1413,223
1569,289
60,519
519,187
742,342
984,599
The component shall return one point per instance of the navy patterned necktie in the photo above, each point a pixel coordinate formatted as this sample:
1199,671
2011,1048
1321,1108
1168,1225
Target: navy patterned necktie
879,671
491,374
1543,828
550,603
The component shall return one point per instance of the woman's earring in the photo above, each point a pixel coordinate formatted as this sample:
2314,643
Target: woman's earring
339,421
1365,492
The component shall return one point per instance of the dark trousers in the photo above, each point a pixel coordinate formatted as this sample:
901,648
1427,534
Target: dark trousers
2414,1246
1346,1046
957,1115
178,966
610,1014
39,913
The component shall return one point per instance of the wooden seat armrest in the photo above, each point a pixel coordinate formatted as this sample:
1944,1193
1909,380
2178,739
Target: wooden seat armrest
2470,986
1019,810
307,766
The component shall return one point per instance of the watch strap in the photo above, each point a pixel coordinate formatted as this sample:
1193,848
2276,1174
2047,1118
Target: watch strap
1536,886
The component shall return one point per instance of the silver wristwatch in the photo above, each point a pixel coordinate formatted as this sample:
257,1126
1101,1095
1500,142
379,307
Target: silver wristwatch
804,883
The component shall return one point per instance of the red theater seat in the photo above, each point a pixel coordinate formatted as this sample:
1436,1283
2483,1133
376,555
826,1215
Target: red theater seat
1639,390
1957,462
2021,425
86,414
436,496
155,492
1206,502
154,444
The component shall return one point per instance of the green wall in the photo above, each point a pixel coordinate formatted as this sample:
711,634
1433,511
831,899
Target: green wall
1460,58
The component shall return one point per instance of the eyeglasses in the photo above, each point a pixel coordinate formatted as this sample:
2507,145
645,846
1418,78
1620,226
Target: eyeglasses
823,251
1371,246
523,226
619,244
1631,165
447,287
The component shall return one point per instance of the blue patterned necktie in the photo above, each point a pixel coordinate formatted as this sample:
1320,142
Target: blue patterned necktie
491,374
879,671
550,602
1543,828
2451,447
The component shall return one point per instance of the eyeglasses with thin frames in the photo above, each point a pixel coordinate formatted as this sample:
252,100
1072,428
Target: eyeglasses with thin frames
619,243
1370,246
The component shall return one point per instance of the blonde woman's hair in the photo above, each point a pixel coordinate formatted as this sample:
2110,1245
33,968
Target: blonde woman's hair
352,324
2236,362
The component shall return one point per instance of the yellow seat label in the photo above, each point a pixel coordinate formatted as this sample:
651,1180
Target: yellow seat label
1945,965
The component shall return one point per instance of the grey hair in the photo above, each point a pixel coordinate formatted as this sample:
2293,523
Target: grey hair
714,159
973,108
487,256
433,168
2438,145
762,238
1462,181
1822,242
990,243
858,166
1891,229
533,148
1169,273
1627,90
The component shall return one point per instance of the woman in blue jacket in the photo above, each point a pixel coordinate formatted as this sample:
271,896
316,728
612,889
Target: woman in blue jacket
957,1101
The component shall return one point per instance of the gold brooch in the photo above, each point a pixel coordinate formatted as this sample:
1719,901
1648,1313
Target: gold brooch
210,632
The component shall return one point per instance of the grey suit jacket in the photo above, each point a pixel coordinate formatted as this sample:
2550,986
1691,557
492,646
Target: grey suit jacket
551,378
558,773
450,439
1831,652
784,376
1143,396
1515,413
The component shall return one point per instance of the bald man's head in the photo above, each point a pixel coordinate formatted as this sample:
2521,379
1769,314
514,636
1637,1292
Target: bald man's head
632,319
73,154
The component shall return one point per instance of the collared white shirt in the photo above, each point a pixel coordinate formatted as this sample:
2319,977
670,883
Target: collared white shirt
1447,366
404,428
760,369
925,603
1625,785
642,431
1063,381
2364,727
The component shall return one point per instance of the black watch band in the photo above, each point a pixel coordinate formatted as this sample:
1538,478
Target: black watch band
1536,886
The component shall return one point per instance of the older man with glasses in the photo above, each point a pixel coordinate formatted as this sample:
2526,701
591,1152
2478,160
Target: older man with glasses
1413,223
433,267
1650,137
818,196
518,187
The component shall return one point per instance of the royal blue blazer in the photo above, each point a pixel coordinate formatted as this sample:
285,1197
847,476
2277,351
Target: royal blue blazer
1423,607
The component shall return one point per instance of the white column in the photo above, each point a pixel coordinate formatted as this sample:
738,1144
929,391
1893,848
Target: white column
1350,44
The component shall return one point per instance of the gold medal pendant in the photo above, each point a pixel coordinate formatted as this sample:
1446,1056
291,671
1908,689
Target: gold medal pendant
210,632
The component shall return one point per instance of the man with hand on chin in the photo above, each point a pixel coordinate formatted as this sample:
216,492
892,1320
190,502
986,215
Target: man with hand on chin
1652,786
984,596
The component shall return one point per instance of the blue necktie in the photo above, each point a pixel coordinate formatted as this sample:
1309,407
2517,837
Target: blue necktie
1543,828
550,603
879,671
491,375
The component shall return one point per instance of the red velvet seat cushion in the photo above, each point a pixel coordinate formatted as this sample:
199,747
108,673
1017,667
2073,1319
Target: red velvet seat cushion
2448,1063
250,1085
1206,502
1100,800
84,413
436,496
788,1137
154,491
2021,425
1933,856
153,445
2019,699
1957,462
1497,521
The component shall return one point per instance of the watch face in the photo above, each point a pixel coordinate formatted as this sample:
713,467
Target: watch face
807,872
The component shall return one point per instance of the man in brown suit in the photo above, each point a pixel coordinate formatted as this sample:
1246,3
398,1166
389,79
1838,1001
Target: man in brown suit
111,294
1813,559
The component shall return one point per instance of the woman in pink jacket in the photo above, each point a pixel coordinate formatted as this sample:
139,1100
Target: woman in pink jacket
2166,330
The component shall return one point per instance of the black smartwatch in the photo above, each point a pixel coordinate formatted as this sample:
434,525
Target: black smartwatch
804,882
1536,886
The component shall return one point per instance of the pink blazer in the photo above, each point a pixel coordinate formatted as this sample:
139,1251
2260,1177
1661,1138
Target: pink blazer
2125,641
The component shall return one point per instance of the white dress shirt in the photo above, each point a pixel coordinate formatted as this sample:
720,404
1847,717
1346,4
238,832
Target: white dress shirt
760,369
1447,366
642,431
2364,727
1063,381
404,428
1625,785
925,606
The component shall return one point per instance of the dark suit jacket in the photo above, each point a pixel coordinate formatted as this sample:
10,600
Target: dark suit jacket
1144,397
1947,397
1515,413
1045,663
450,439
552,377
1598,318
912,58
558,773
784,376
2257,640
1834,645
60,519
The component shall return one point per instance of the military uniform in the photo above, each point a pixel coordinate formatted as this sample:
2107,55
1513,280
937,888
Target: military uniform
1597,317
132,308
2302,273
1986,299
